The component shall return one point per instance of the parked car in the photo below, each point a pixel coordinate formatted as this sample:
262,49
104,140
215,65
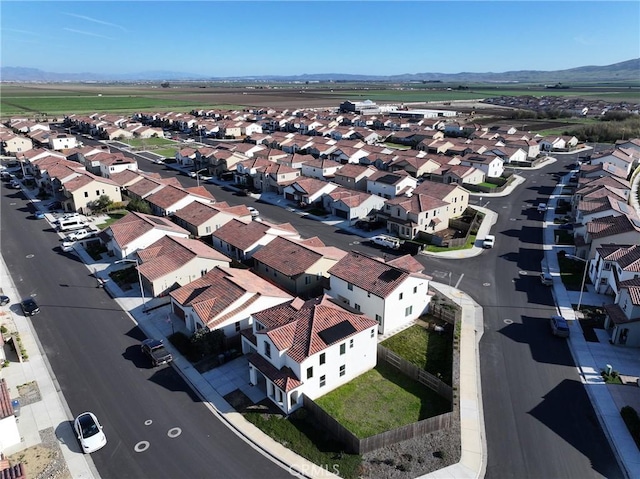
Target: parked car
154,348
542,207
559,326
4,300
39,215
489,241
29,307
79,234
89,432
14,184
254,212
55,205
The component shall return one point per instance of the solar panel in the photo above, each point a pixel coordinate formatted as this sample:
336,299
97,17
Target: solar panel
336,333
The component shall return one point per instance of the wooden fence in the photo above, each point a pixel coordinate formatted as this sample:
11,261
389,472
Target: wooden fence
414,372
355,445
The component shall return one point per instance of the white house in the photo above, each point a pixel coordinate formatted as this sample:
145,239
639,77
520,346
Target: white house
394,293
612,264
389,184
307,348
491,166
622,319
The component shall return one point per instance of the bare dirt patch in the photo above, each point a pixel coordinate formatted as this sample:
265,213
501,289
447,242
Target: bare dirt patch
43,461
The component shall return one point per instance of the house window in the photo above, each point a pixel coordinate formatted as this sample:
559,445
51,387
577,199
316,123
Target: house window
356,306
86,194
400,296
379,319
415,289
351,343
343,370
408,310
349,286
307,280
323,358
207,229
310,372
267,349
97,192
373,333
343,348
323,381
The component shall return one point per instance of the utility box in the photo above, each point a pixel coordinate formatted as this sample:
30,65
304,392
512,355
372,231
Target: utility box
16,407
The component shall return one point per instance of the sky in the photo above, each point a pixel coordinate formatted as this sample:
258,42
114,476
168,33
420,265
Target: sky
255,38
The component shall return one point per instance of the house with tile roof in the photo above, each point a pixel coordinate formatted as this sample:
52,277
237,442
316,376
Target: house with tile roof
393,292
202,219
612,264
388,184
351,205
169,199
353,177
601,170
136,231
308,191
81,190
240,240
460,174
321,169
13,145
428,209
620,229
274,177
416,166
224,299
8,421
623,158
172,261
491,165
116,163
600,203
307,348
622,319
297,266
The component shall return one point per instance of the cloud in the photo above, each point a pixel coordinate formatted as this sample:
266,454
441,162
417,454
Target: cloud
35,34
91,34
95,20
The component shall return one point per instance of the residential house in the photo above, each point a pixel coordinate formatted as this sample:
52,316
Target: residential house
115,164
274,177
622,319
625,159
137,231
79,189
350,204
62,141
492,166
620,229
308,191
8,424
241,240
320,169
307,348
612,264
353,177
394,293
387,184
298,266
224,299
170,199
416,166
202,219
14,145
172,262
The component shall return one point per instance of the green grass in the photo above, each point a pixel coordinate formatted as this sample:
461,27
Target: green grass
113,217
439,249
488,185
391,398
300,434
427,350
166,152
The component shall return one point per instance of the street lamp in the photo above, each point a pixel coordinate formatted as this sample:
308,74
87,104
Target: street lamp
139,277
198,176
584,275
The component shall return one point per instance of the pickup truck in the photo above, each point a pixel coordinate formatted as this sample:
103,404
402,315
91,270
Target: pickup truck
154,348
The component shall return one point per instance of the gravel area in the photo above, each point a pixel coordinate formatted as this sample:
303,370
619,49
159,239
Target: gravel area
57,467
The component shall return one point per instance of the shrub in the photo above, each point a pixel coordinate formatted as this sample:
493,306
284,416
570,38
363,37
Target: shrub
631,419
181,342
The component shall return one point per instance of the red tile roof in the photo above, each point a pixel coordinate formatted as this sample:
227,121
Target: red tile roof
134,225
373,274
297,327
284,378
217,290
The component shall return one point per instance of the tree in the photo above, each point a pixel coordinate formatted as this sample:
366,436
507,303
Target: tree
140,206
101,203
165,84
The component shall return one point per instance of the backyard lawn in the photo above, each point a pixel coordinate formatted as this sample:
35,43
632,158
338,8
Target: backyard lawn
145,142
113,217
428,350
438,249
391,398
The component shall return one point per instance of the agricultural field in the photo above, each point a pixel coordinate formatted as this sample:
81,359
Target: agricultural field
56,100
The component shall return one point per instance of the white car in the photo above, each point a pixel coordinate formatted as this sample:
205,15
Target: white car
489,241
542,207
78,235
254,212
89,432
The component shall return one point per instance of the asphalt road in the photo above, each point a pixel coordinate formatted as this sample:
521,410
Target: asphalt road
93,348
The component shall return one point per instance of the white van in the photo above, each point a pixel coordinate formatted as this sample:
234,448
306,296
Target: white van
73,223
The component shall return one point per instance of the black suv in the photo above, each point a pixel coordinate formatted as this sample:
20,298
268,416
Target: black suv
29,307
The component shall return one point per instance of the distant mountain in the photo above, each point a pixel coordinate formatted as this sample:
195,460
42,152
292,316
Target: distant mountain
623,71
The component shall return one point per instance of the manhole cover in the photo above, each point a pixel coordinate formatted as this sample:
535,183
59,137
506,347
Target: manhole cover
523,273
29,256
148,422
141,446
174,432
508,321
486,284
